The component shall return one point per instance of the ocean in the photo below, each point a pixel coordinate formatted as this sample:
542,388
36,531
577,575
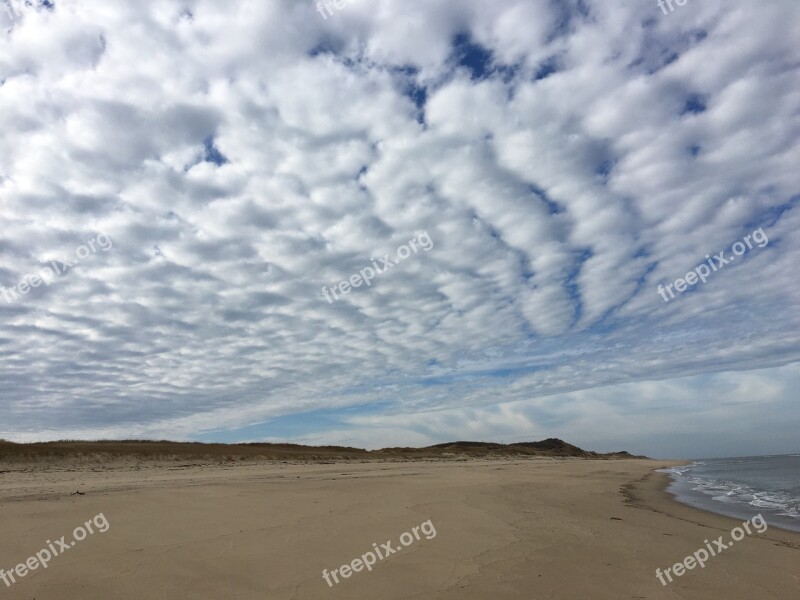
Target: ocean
743,487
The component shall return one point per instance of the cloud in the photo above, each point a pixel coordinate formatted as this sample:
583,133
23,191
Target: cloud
565,158
688,417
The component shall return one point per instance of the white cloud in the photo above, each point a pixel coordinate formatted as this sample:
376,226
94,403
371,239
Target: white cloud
565,159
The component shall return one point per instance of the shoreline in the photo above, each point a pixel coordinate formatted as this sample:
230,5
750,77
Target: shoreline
654,495
667,480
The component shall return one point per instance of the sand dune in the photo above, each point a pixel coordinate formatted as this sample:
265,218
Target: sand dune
102,452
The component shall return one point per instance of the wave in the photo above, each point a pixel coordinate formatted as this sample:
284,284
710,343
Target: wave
681,470
727,492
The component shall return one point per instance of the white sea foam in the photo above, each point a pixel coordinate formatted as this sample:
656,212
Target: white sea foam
714,485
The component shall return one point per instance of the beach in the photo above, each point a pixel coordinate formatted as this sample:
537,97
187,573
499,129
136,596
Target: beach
538,527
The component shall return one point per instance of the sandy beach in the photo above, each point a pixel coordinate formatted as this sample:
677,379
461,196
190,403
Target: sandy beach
508,528
399,299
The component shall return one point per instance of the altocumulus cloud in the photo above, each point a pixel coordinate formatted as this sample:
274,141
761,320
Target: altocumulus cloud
565,157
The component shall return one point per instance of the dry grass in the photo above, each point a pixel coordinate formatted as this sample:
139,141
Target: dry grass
166,450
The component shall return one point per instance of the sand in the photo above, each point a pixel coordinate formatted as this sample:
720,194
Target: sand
530,528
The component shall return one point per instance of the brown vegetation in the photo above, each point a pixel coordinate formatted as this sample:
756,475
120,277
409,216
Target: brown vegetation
166,450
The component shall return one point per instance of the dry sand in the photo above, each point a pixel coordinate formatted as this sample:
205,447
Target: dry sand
532,528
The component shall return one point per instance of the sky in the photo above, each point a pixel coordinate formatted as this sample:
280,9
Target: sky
402,222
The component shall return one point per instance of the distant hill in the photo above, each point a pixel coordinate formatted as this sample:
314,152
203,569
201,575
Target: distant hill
92,451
